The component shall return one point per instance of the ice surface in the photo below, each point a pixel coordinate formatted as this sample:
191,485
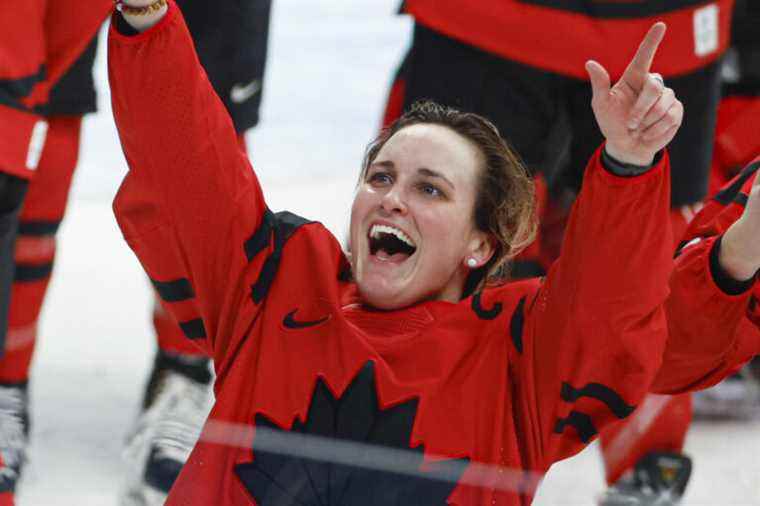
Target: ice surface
329,69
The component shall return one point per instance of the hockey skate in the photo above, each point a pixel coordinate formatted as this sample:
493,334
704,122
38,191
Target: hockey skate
659,479
14,435
177,401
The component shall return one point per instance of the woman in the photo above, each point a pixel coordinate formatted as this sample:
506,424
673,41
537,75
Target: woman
403,346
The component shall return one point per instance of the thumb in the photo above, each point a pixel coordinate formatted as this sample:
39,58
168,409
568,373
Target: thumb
600,79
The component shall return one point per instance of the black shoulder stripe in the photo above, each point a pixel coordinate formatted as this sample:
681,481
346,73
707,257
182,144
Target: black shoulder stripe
38,228
288,223
485,314
582,424
601,393
27,273
728,194
260,238
516,325
261,287
174,291
283,225
193,329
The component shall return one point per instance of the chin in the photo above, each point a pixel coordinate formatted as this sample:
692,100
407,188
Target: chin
382,297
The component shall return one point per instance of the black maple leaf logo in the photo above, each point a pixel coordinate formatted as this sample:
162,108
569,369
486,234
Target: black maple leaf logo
278,478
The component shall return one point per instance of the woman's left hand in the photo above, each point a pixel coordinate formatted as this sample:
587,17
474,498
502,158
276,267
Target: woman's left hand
639,115
740,247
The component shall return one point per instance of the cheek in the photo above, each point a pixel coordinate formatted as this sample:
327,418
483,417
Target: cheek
447,233
358,212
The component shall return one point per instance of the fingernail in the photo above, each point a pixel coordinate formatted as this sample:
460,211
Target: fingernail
633,124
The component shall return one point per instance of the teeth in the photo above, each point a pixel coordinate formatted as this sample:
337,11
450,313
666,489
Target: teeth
376,230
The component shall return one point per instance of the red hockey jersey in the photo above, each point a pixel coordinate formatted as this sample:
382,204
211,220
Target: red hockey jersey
40,40
560,35
516,376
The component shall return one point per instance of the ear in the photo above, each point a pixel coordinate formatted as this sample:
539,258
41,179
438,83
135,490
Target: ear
481,248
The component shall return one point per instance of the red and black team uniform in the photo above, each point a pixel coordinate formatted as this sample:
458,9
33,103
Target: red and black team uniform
41,39
517,376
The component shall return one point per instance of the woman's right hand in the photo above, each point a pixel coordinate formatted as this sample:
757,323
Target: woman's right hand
639,115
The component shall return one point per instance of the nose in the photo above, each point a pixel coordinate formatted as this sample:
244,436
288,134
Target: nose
394,201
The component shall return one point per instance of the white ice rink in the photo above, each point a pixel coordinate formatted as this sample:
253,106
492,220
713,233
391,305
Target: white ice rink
329,69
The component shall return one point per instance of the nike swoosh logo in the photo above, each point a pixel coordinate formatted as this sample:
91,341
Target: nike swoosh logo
241,93
291,323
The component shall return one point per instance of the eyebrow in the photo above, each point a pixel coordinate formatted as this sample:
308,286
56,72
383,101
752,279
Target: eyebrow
422,170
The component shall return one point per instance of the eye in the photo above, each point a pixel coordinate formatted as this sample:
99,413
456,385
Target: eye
431,190
380,178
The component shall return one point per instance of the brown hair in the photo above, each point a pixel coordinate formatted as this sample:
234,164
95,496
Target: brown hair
505,200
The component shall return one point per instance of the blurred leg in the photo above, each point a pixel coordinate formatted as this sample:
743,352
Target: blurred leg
40,217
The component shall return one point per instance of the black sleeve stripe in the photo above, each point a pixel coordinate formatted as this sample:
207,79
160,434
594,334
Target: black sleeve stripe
741,199
174,291
601,393
193,329
582,424
283,225
485,314
728,194
38,228
724,280
516,325
260,238
11,90
27,273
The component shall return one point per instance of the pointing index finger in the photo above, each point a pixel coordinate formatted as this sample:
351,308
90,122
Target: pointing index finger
638,69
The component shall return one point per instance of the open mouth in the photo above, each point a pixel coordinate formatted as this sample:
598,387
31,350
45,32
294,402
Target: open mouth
390,243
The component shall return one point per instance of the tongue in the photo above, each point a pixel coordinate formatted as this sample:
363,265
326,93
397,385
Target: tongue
395,258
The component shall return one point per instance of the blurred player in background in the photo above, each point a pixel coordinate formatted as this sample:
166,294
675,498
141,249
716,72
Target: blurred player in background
231,39
467,55
40,40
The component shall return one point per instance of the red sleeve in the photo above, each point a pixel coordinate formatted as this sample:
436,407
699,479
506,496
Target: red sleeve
190,207
711,332
40,40
598,323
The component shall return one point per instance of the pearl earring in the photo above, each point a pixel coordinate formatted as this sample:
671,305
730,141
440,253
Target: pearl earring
472,263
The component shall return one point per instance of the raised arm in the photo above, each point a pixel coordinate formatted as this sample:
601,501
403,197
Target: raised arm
597,324
190,207
712,308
